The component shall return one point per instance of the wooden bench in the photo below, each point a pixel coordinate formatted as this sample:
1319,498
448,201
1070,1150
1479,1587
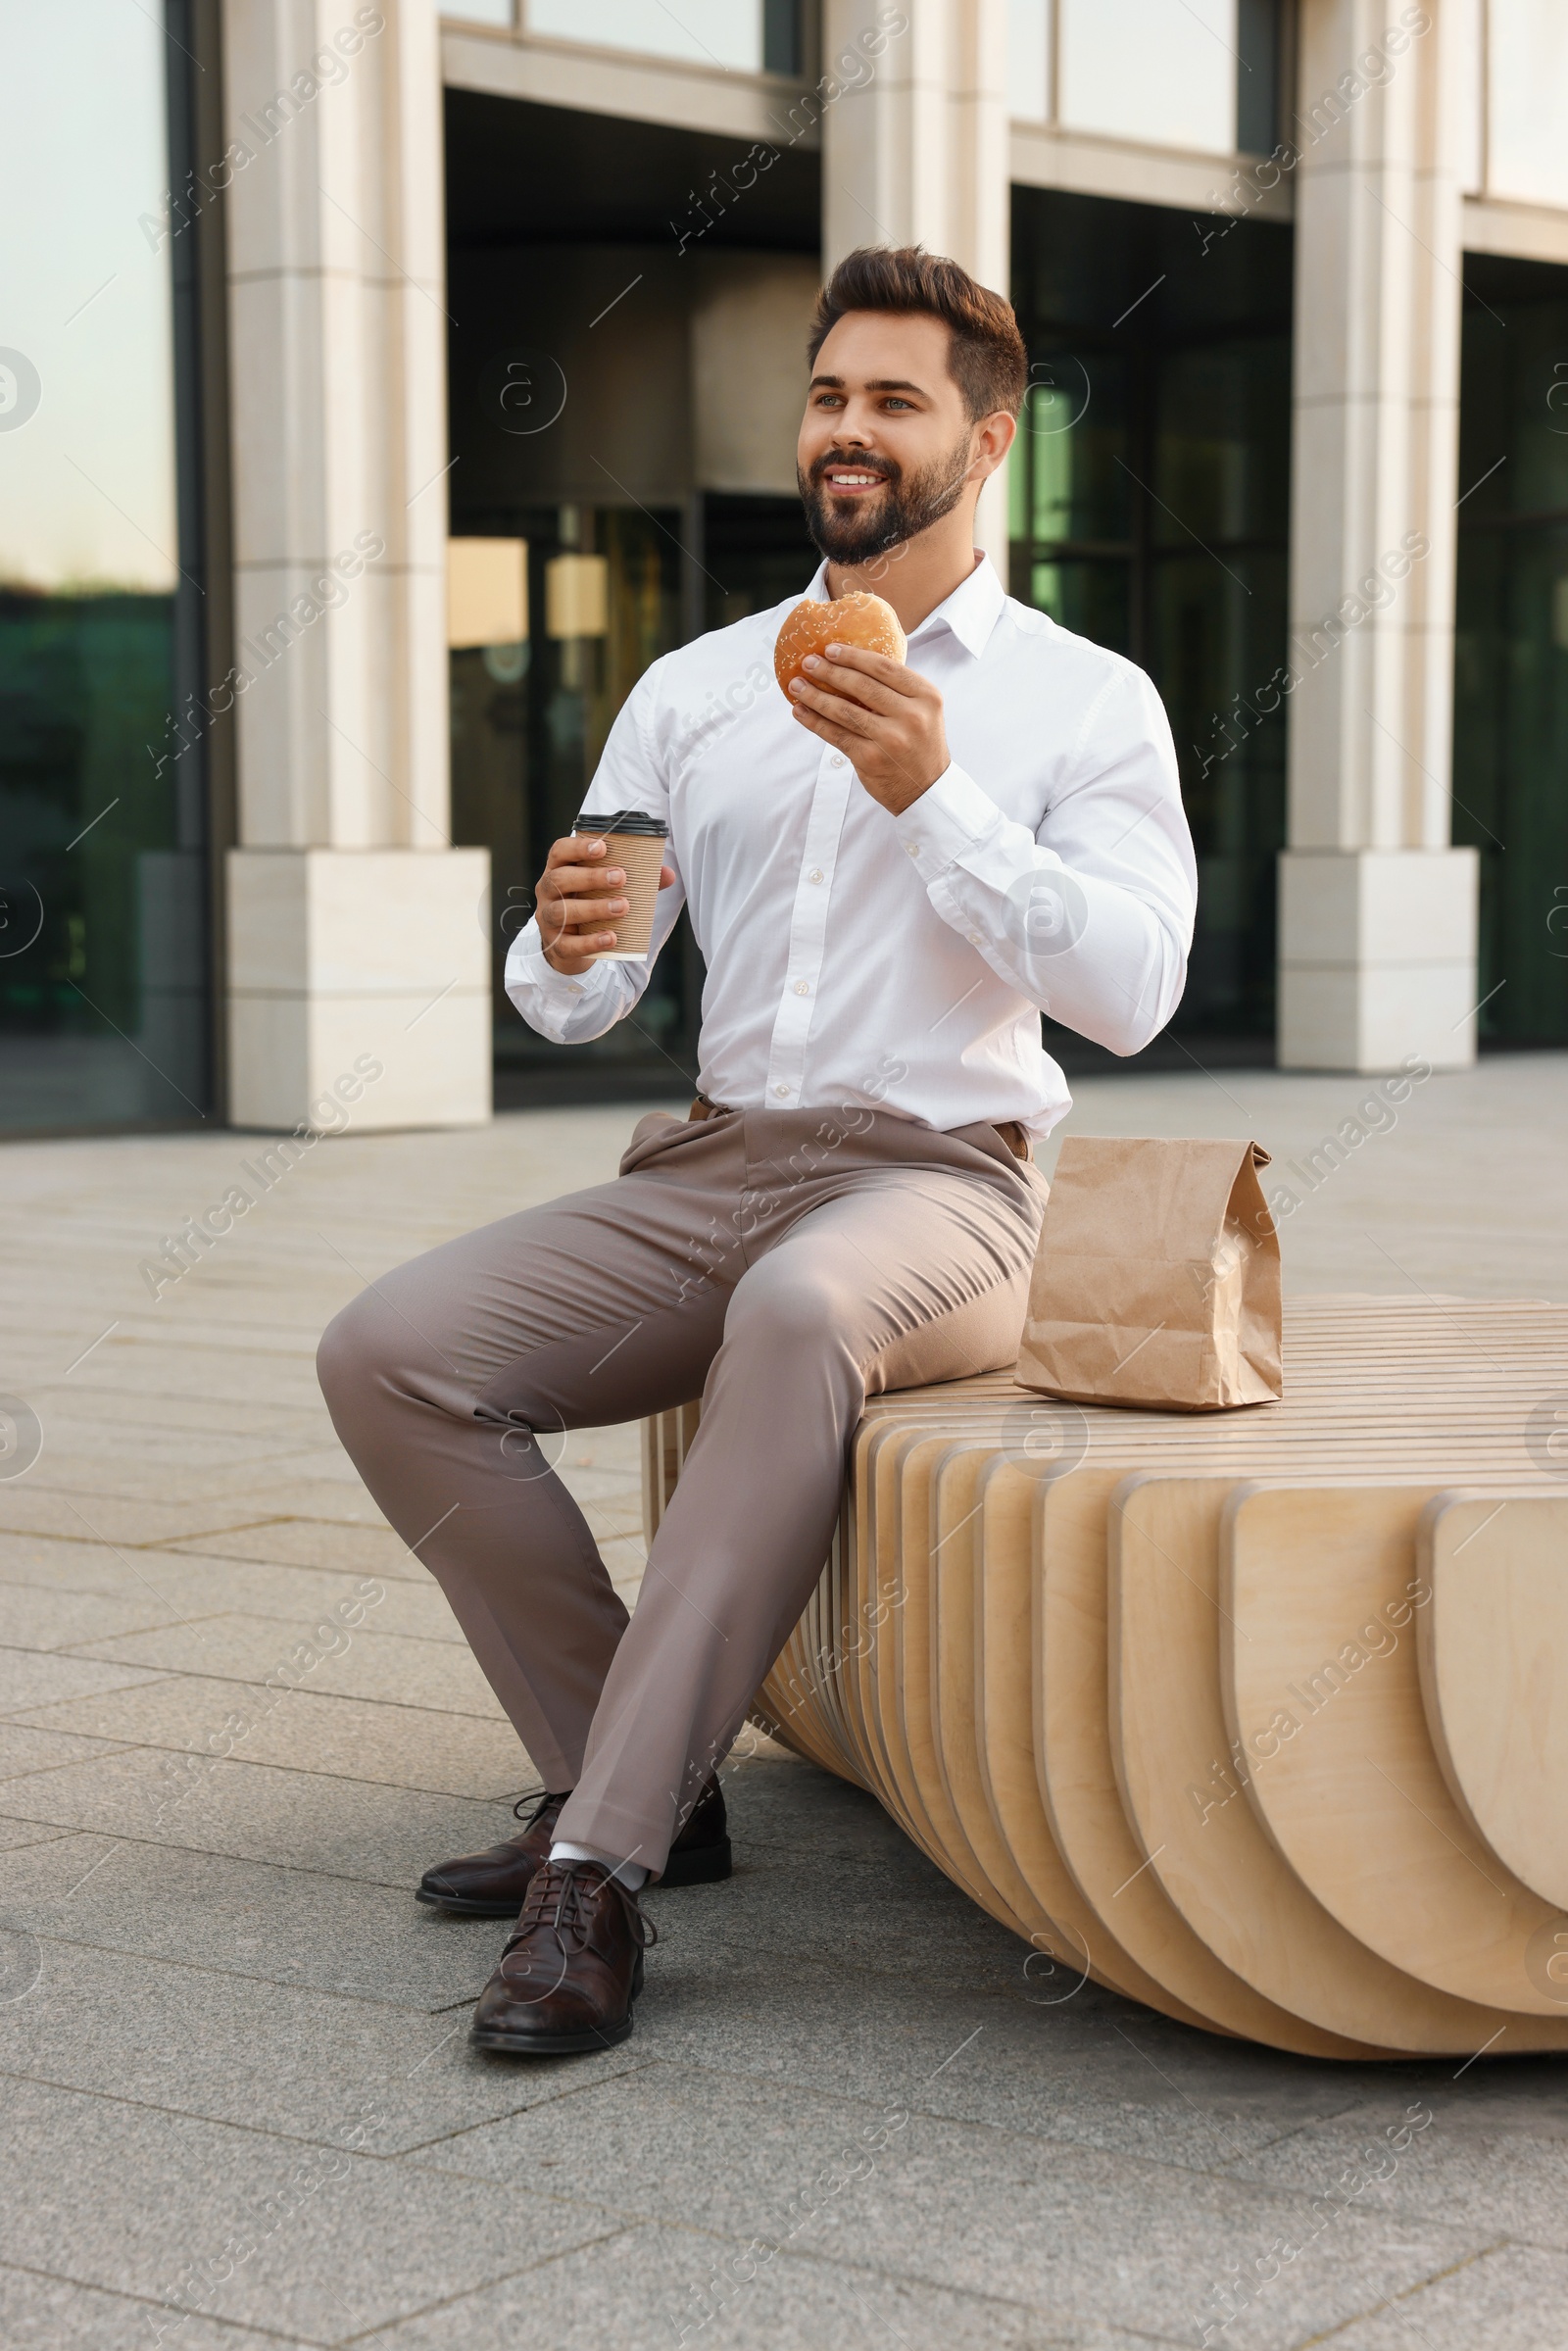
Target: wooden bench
1261,1717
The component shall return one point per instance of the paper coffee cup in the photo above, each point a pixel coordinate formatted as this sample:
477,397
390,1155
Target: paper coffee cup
634,842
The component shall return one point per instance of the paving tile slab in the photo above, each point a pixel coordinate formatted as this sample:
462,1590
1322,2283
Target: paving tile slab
258,1812
38,1677
240,2048
135,1407
355,1551
371,1551
24,1750
38,1618
292,1927
311,1491
29,1508
181,1584
39,2313
203,1585
1424,2154
70,1563
87,1455
1107,2075
14,1834
353,1739
316,2243
1515,2299
973,2208
240,1647
662,2289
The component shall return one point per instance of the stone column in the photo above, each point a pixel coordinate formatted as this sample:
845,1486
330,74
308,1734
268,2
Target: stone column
1377,909
917,152
357,933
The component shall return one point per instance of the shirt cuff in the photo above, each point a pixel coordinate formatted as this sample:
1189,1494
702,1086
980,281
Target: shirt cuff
527,967
952,816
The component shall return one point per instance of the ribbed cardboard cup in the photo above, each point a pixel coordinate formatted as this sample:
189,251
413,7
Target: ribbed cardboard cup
631,842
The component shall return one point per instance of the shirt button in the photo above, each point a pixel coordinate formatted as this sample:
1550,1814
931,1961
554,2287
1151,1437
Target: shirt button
816,874
911,849
838,759
803,987
975,939
782,1092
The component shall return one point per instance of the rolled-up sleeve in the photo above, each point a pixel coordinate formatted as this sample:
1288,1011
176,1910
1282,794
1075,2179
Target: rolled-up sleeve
1091,916
629,775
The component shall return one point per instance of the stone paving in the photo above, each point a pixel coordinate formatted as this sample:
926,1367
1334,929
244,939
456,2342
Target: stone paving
236,1722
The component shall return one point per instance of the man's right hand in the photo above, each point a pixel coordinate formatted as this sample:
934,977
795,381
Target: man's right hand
577,901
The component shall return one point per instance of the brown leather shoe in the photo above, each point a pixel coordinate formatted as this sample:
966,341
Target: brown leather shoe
570,1973
491,1885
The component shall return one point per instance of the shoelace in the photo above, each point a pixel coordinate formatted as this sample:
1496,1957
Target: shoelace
546,1799
559,1889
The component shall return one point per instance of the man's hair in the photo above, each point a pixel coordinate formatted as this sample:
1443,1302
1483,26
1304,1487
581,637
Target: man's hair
986,354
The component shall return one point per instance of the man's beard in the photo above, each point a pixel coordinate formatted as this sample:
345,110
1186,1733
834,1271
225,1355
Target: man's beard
846,535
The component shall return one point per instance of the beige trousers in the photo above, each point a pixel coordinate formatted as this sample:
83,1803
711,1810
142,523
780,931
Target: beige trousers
783,1265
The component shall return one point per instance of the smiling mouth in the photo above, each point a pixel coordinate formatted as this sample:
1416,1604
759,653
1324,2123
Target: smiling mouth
848,483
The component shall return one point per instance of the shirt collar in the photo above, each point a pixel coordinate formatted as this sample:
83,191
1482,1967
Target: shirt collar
970,614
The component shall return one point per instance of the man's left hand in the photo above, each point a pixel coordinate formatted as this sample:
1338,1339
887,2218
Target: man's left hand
885,719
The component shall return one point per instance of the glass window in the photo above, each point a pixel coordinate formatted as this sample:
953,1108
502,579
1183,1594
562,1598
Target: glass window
102,875
1510,748
1071,487
1029,60
1527,100
1151,70
1160,71
1473,96
1150,494
710,32
580,603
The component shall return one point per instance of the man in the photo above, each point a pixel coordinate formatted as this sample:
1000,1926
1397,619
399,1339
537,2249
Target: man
851,1205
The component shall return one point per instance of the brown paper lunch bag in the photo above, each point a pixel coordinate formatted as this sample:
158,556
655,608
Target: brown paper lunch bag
1156,1280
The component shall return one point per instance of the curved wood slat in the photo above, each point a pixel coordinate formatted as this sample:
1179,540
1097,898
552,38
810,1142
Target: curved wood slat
1337,1760
1078,1776
1079,1940
1492,1650
1183,1791
959,1502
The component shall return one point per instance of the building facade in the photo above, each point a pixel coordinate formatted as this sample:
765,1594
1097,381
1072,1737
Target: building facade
394,386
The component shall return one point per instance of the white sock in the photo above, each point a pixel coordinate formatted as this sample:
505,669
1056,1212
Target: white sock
629,1873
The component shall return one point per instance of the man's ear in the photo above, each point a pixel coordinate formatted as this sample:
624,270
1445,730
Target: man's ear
993,438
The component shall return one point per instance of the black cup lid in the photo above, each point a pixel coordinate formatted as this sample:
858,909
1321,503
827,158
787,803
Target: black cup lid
624,820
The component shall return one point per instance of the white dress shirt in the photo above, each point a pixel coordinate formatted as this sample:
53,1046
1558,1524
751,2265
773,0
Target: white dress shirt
859,957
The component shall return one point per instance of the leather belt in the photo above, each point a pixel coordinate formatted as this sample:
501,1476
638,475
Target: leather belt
1010,1129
